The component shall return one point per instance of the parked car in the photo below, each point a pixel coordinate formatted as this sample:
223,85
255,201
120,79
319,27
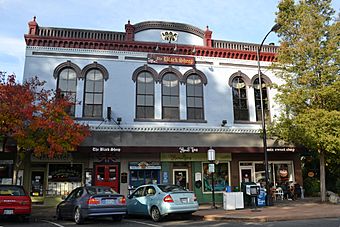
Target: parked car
160,200
90,202
14,201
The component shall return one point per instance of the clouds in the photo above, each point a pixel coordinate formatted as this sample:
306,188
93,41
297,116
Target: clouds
12,54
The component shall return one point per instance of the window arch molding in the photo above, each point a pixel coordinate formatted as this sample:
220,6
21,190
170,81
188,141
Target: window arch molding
242,75
174,71
264,78
197,72
67,64
95,65
147,69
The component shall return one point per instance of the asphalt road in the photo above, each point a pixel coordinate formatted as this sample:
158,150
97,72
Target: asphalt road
173,221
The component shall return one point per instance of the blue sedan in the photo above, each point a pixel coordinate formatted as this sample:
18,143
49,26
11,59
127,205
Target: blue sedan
160,200
91,202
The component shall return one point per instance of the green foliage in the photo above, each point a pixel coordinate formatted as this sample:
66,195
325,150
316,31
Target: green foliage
311,186
309,64
309,67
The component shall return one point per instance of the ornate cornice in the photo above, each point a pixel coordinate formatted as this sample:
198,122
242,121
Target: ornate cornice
174,129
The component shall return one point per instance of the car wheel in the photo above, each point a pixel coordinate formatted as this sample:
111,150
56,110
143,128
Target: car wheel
155,214
58,214
117,217
78,218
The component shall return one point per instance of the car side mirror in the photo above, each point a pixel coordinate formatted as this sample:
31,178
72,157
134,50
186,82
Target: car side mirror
63,197
130,196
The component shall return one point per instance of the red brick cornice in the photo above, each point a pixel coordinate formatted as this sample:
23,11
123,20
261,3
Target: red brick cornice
149,47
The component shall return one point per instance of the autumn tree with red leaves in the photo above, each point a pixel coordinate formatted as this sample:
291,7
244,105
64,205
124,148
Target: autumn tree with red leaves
37,119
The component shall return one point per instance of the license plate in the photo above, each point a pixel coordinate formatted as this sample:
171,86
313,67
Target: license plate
184,200
108,201
8,212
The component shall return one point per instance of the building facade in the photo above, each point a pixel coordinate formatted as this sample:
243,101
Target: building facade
157,96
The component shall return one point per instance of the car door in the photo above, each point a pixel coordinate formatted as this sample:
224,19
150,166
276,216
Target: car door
135,200
150,198
67,206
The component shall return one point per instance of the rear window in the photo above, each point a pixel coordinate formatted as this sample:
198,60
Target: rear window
100,191
171,188
9,190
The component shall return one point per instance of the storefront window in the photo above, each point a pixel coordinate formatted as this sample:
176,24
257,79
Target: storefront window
6,171
279,173
63,178
140,177
221,177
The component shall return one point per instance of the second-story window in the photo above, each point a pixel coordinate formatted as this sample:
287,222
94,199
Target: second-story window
67,85
145,96
194,98
93,97
240,103
170,96
258,99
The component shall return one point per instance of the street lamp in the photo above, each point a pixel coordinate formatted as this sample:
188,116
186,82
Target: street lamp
211,159
274,29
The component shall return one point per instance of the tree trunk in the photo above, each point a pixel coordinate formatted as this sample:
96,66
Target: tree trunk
322,176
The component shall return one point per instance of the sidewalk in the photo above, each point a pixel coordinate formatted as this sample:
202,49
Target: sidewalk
307,208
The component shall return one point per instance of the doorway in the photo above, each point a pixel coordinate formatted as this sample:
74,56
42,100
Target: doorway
246,174
181,177
107,175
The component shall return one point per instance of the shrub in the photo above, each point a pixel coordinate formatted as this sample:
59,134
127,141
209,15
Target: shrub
311,186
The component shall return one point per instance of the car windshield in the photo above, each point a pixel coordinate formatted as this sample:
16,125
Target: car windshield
101,191
171,188
10,190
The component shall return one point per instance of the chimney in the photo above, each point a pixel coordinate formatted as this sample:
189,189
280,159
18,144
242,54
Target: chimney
33,27
129,32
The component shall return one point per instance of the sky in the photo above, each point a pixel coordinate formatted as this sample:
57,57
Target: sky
232,20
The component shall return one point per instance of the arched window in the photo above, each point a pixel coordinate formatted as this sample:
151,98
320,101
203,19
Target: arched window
93,97
240,102
194,98
145,103
67,85
257,96
170,96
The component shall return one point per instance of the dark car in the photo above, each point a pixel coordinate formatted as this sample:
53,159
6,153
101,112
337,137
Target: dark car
91,202
14,201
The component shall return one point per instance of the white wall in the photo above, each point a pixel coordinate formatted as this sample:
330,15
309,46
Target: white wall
120,89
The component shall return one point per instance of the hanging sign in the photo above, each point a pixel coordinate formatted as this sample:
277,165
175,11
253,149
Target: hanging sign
170,60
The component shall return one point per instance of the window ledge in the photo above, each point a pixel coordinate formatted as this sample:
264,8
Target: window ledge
169,120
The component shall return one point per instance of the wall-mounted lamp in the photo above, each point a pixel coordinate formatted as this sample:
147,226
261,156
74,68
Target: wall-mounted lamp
119,119
224,122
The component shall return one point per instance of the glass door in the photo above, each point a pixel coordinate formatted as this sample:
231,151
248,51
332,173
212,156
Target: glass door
180,177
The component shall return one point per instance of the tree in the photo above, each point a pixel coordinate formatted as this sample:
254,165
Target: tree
308,63
37,119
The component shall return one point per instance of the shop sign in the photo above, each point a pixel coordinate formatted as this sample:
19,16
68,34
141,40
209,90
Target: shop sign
192,157
65,157
310,174
144,165
284,149
187,149
170,60
106,149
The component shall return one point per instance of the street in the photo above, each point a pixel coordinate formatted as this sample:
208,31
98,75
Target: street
172,221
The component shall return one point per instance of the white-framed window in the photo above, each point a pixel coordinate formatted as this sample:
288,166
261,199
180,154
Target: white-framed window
221,177
280,172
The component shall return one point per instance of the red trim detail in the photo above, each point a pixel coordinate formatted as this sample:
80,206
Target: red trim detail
149,47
